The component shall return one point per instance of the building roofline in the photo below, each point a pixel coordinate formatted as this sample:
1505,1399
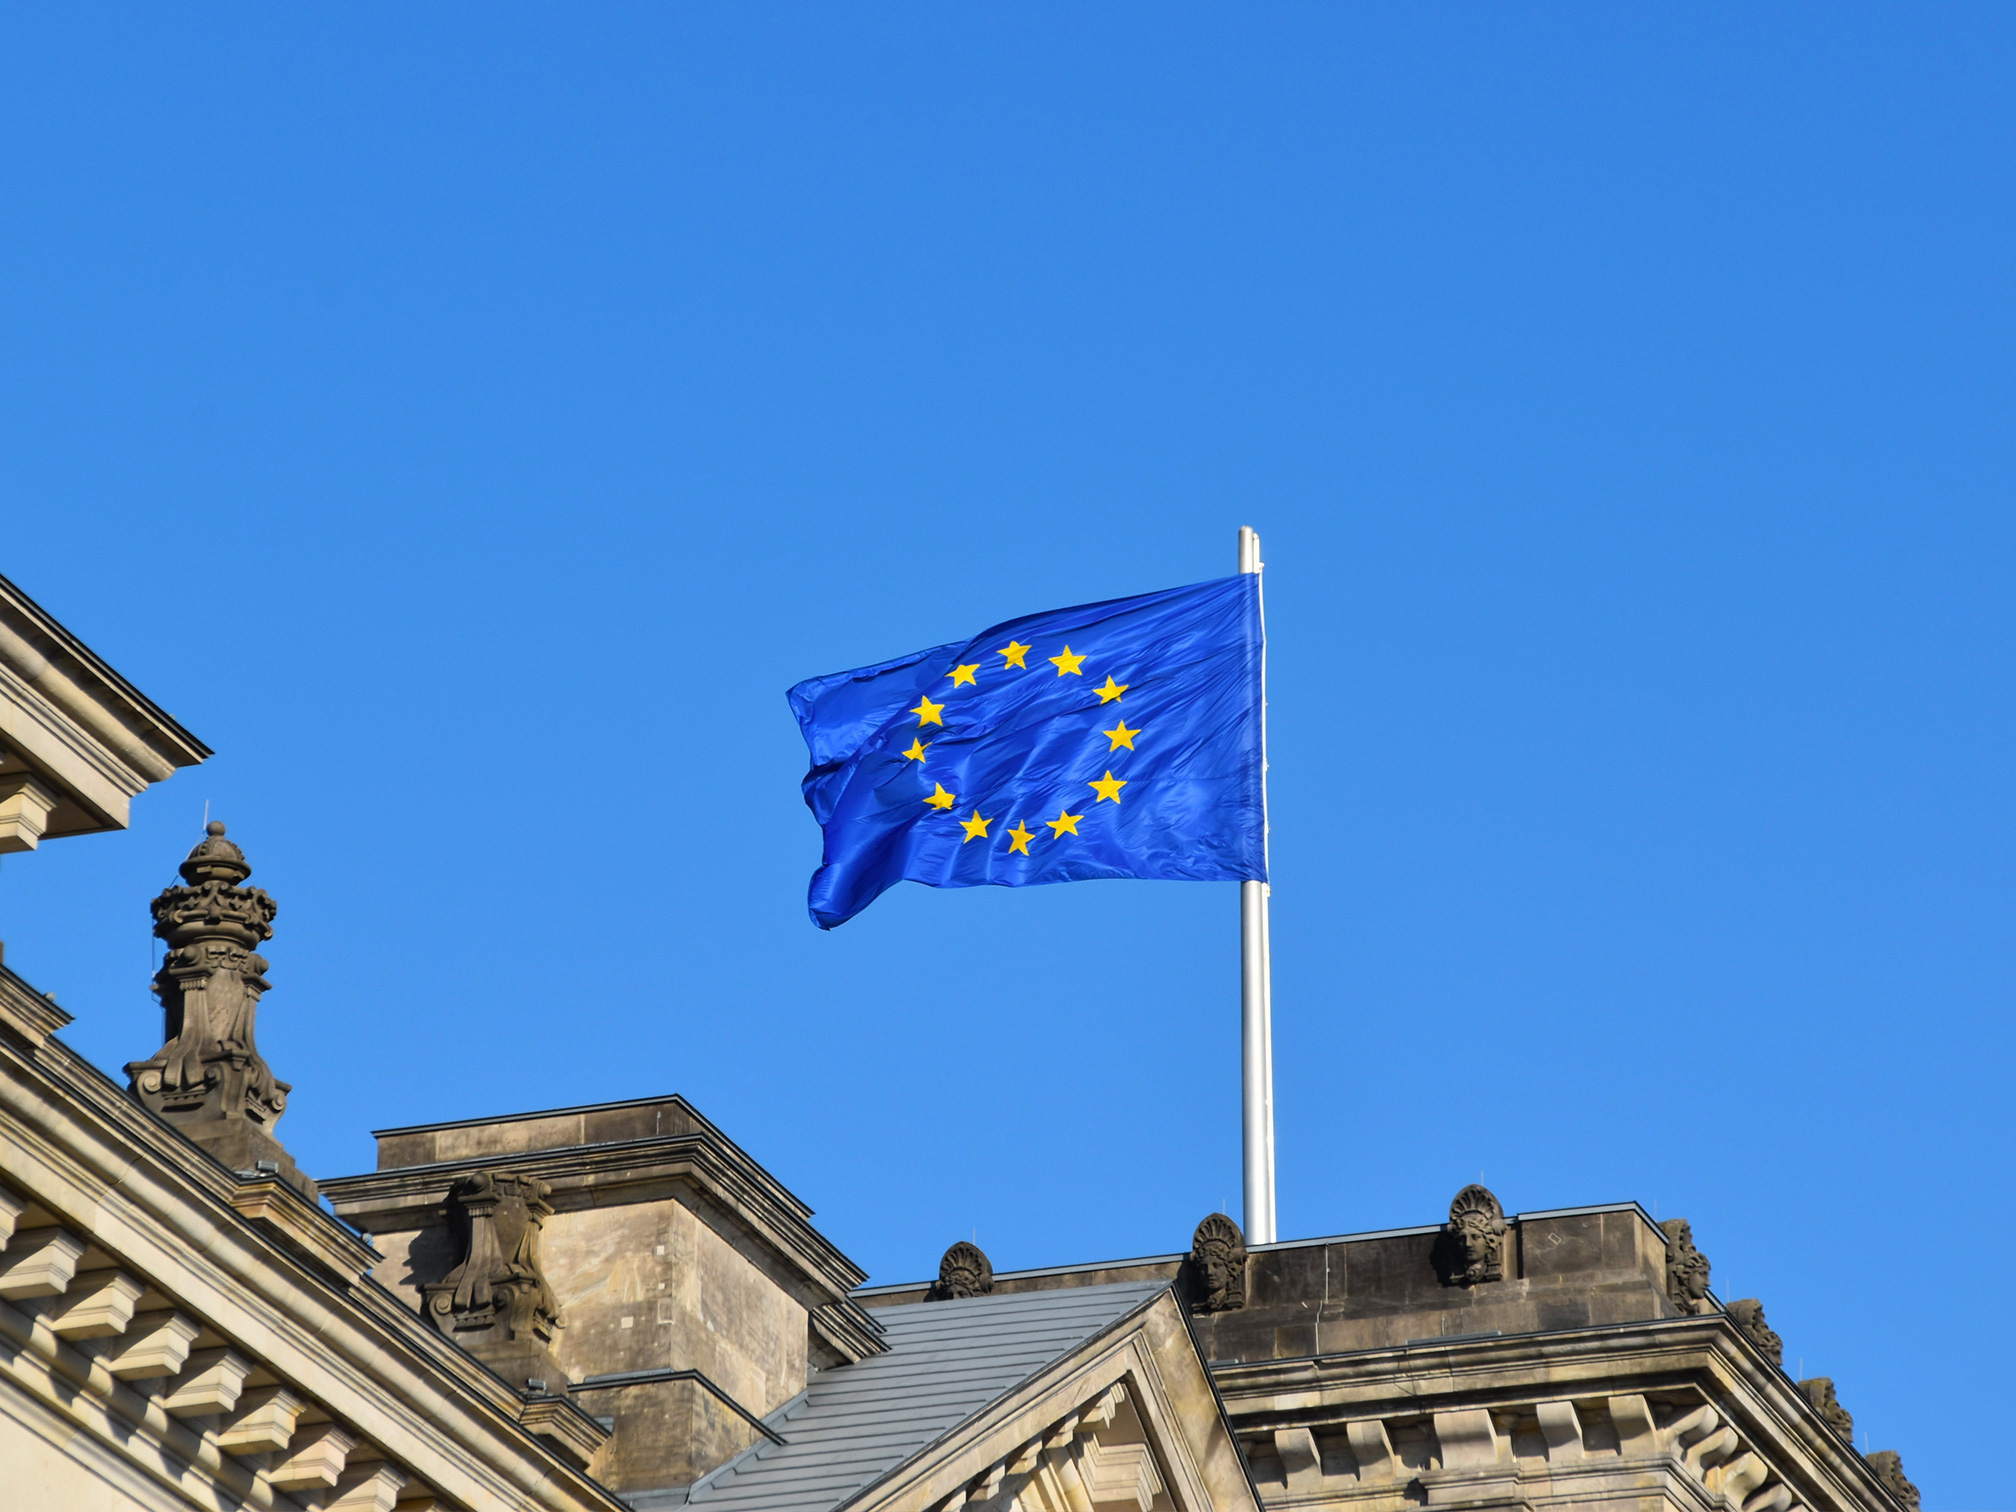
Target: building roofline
1037,1272
50,626
498,1118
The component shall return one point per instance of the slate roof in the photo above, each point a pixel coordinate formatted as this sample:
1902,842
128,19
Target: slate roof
947,1361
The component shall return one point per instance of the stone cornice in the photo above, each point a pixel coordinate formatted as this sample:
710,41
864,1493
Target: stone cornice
77,724
848,1329
1704,1356
273,1202
26,1013
281,1283
700,1163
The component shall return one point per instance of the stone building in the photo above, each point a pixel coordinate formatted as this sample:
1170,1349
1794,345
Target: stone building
614,1306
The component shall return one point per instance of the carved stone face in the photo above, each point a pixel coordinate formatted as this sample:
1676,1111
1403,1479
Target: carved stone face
1217,1265
1473,1234
1217,1272
1471,1248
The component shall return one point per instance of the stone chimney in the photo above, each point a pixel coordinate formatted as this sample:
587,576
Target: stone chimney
209,1079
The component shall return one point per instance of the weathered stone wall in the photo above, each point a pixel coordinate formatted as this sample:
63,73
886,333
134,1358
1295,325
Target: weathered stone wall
57,1467
649,1286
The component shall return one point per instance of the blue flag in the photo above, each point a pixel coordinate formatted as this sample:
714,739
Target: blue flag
1120,739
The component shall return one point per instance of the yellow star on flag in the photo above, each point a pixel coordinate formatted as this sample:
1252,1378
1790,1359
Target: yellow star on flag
1066,823
927,712
976,827
1111,691
1014,651
1069,663
964,674
1019,838
1120,735
1107,787
918,748
941,799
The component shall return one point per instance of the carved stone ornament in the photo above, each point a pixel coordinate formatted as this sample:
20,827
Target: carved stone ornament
1472,1246
964,1272
1889,1468
209,1079
496,1302
1686,1268
1217,1266
1748,1316
1820,1392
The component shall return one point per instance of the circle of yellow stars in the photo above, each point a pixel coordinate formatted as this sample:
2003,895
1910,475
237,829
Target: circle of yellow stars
1107,787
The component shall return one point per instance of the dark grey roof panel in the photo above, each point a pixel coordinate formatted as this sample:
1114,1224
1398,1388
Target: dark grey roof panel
947,1361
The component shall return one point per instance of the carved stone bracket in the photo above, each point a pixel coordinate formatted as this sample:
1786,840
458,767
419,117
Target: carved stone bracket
1686,1269
1748,1316
1472,1246
496,1302
209,1079
1217,1266
963,1272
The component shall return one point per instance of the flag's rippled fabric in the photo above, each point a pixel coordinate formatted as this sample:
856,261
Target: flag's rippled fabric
1120,739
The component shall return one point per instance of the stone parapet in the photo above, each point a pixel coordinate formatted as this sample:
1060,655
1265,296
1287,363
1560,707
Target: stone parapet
1559,1269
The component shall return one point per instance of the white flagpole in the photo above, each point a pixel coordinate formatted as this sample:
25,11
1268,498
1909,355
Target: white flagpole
1256,1007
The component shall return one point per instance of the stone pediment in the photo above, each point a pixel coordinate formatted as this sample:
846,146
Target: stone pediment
1122,1418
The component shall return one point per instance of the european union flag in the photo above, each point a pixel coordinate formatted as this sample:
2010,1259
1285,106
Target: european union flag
1120,739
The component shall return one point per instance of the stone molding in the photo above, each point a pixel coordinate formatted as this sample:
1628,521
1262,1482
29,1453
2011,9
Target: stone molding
1715,1420
617,1380
224,1293
728,1185
27,1014
847,1329
85,735
278,1206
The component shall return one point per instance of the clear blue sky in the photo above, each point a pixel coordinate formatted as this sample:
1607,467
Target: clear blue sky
471,420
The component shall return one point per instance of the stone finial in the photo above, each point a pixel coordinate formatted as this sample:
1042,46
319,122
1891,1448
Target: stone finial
1472,1246
1820,1392
495,1303
963,1272
1217,1266
209,1079
1747,1314
1686,1268
1889,1468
